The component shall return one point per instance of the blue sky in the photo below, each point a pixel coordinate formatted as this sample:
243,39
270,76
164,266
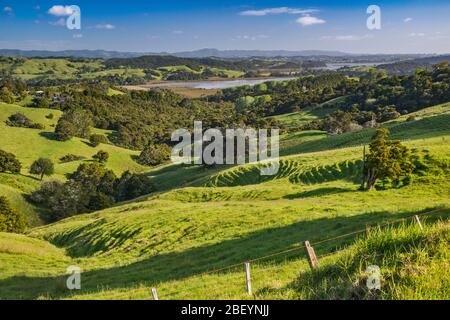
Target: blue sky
416,26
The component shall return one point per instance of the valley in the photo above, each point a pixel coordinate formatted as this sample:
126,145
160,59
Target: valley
191,236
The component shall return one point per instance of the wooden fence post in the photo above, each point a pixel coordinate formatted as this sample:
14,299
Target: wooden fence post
418,222
155,294
247,276
312,259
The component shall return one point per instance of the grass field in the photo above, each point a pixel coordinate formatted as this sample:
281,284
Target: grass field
205,220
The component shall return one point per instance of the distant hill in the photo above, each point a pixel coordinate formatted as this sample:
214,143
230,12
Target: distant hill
203,53
410,66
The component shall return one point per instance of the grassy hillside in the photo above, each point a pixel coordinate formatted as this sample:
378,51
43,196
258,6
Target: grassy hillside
173,239
32,69
292,121
164,239
31,144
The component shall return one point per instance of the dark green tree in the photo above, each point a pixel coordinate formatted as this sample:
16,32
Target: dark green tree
9,163
131,185
42,167
387,159
76,123
154,154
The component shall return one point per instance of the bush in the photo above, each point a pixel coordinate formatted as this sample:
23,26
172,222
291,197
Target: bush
9,163
154,154
101,156
71,158
96,139
10,219
21,121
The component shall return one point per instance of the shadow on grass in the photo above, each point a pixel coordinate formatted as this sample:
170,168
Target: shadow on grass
179,265
317,193
49,135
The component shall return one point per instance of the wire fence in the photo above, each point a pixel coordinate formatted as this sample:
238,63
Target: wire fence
261,273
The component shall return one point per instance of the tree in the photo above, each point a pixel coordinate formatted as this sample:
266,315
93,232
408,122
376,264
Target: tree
131,185
96,139
154,154
64,130
6,95
340,122
387,159
42,167
10,219
76,123
41,102
101,156
9,163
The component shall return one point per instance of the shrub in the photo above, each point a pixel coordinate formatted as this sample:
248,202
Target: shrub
71,158
50,116
42,167
96,139
101,156
21,121
10,219
9,163
154,154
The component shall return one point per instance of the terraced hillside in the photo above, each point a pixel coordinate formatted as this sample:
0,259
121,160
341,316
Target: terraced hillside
180,239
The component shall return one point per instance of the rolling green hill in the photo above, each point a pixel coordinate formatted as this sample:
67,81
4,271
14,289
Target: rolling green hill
30,144
209,219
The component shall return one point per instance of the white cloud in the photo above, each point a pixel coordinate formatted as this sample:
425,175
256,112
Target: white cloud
177,31
105,26
418,34
280,10
349,37
8,10
252,38
309,21
353,37
58,23
60,11
406,20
